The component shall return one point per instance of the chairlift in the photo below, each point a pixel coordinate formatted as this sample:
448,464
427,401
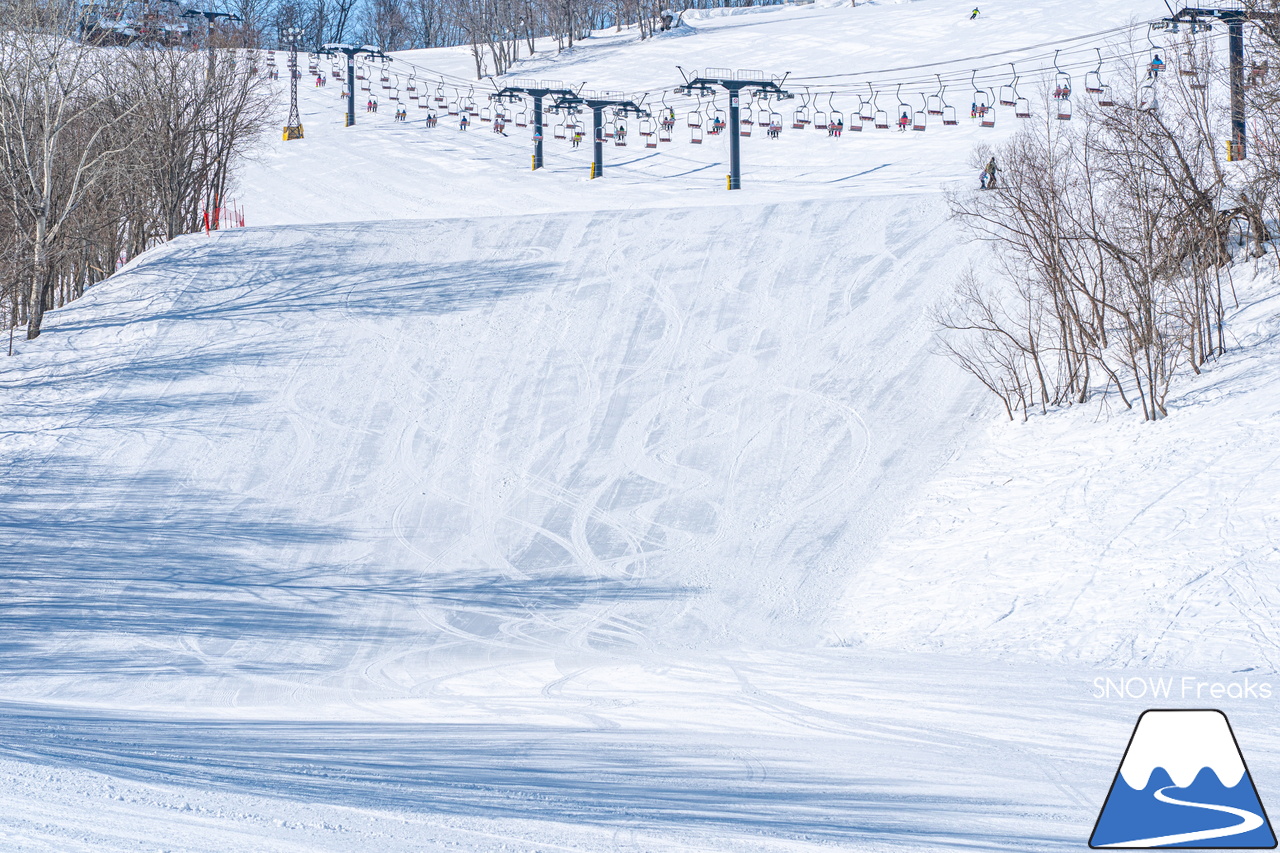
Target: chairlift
411,84
763,113
801,116
440,98
1061,85
486,114
455,105
695,127
933,104
424,103
744,121
559,131
904,110
1093,79
1106,99
620,134
1022,108
921,119
989,117
522,117
664,132
820,120
1064,109
1009,91
719,118
646,127
606,132
949,117
835,118
981,104
1148,100
866,112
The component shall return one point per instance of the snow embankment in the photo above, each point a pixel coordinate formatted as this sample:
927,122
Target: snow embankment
1092,536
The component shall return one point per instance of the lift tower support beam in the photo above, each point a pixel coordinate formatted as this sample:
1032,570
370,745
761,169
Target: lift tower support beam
351,52
735,83
598,102
537,90
1234,17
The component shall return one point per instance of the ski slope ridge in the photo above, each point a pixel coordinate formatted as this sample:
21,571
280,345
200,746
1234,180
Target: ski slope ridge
318,452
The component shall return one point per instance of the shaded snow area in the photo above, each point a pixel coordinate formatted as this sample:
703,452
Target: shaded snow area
455,506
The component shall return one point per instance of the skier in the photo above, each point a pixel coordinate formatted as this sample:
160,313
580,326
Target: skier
989,173
368,105
577,138
462,122
903,122
1157,65
974,13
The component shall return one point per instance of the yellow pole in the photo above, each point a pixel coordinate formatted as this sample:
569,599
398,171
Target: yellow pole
533,162
728,182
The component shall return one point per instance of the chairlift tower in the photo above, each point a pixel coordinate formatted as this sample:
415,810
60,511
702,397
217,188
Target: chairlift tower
1234,15
210,17
351,52
293,127
733,82
537,90
598,102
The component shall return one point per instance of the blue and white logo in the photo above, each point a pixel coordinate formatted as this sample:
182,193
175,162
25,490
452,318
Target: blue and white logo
1183,783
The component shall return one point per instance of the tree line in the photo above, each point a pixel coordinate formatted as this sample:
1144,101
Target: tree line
1114,233
106,152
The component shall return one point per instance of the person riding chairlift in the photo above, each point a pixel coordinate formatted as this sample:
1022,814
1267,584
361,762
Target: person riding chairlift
1157,65
904,121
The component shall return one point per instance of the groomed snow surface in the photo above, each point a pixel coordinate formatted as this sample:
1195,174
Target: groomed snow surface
457,506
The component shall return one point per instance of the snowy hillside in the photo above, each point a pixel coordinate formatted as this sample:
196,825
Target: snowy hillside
453,505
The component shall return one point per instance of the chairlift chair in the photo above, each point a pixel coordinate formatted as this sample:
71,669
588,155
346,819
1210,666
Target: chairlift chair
440,98
989,117
1064,109
837,118
455,106
424,103
1022,108
820,120
1148,100
522,118
695,134
1093,79
920,120
620,134
664,132
904,109
559,131
866,113
1009,91
1106,99
933,105
800,117
949,117
763,113
486,114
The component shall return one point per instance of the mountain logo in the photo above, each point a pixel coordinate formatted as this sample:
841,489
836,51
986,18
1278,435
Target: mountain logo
1182,783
